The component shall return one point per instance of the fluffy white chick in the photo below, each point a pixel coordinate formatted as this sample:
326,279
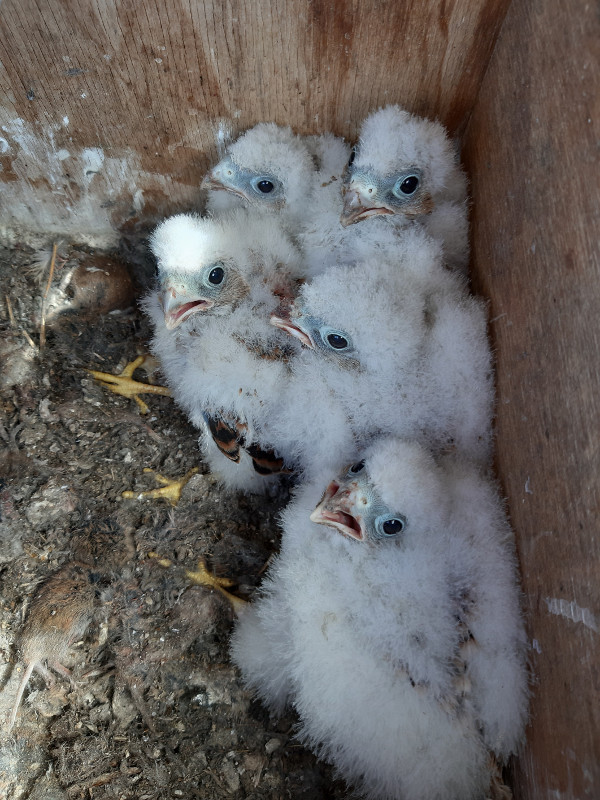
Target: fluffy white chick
394,347
269,169
378,621
404,169
218,282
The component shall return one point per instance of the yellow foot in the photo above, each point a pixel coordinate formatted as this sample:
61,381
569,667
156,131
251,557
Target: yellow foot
202,577
170,489
124,384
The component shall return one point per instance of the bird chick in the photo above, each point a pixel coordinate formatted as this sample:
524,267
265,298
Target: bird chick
404,169
60,614
219,280
196,269
269,169
377,623
390,346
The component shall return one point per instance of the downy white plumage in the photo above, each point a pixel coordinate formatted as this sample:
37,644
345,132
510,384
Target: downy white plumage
391,622
271,170
391,346
403,172
406,168
219,279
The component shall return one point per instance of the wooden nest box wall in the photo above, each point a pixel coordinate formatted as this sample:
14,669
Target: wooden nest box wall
111,112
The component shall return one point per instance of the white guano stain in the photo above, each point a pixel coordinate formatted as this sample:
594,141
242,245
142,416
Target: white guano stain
92,159
570,610
47,202
138,201
223,136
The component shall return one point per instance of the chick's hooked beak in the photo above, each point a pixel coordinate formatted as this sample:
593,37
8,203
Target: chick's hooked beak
360,202
282,319
339,509
177,305
220,178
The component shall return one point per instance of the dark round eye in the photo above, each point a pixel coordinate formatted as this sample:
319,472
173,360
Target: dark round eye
216,276
352,156
392,527
387,526
337,341
409,185
358,467
265,186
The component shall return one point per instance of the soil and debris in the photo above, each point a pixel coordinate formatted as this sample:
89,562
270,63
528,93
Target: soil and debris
152,707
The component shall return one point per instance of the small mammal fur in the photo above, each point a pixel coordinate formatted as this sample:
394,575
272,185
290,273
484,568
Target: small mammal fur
60,614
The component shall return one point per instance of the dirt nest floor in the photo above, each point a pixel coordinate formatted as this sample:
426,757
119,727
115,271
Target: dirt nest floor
154,708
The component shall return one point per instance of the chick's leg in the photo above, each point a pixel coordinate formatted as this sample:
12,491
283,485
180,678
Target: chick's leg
170,489
202,577
124,384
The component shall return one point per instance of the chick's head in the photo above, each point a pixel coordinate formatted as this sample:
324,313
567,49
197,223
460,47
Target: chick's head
401,165
268,168
196,270
212,264
372,315
394,492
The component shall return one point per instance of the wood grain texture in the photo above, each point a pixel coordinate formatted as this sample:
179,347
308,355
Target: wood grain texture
111,109
532,150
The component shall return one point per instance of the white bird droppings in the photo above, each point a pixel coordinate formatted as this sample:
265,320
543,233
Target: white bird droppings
138,200
93,159
572,611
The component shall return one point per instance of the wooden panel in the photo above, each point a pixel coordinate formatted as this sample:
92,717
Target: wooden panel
532,152
111,109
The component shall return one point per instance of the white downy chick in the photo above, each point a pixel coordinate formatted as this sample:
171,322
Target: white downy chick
405,169
269,169
395,347
378,622
219,279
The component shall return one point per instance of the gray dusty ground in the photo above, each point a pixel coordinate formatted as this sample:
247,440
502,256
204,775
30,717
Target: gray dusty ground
154,710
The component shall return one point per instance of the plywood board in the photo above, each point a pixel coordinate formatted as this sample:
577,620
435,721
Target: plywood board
110,112
532,152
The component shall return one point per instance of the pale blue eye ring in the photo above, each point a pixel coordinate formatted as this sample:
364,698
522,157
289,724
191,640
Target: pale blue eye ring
388,526
214,275
263,184
336,340
406,185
